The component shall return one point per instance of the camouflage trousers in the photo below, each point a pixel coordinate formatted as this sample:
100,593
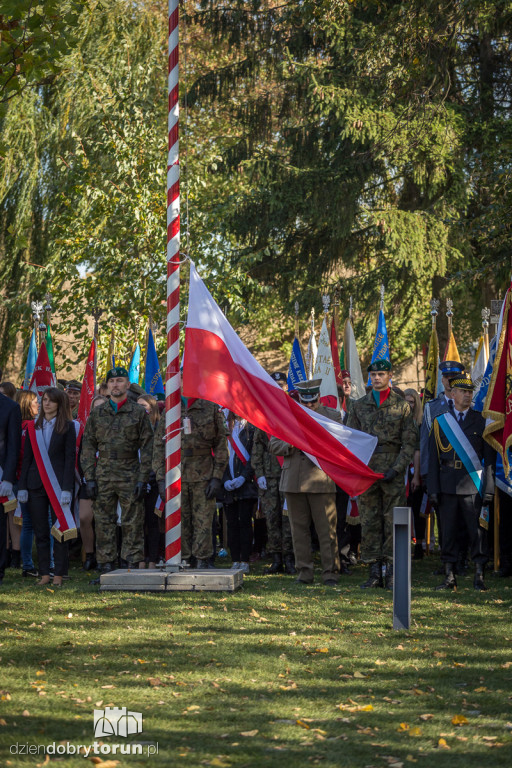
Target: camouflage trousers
279,534
376,513
112,490
196,521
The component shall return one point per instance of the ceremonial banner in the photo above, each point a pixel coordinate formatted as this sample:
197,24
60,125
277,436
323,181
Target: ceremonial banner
352,362
311,356
381,343
152,376
88,389
218,367
335,353
481,360
49,348
134,369
451,352
324,369
498,403
31,360
296,369
481,393
43,376
432,369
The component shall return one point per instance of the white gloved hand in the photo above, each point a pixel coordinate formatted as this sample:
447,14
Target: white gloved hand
22,497
5,488
65,498
228,485
237,482
262,483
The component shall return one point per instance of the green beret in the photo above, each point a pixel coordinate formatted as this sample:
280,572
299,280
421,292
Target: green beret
115,372
379,365
462,382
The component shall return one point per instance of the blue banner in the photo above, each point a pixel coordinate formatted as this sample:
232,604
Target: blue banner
134,369
296,369
381,343
152,377
481,392
31,360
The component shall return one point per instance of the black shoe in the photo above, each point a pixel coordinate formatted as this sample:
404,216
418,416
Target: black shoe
89,562
277,564
374,578
298,580
450,582
30,572
203,564
330,583
344,569
418,551
478,581
388,583
289,565
106,567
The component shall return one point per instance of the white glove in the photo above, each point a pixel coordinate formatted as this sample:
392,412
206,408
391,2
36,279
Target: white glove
237,482
5,488
228,485
65,498
22,497
262,483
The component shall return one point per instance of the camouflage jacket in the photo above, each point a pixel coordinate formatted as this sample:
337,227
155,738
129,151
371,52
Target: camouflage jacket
263,462
394,426
204,453
120,439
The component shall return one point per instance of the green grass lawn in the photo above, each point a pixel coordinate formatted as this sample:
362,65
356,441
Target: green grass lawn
277,674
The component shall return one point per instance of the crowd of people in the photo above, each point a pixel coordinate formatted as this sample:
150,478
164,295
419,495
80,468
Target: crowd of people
245,494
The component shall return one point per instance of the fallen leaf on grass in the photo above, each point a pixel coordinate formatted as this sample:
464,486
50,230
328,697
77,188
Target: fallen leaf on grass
154,681
359,674
218,763
442,744
415,731
25,713
403,727
426,717
2,721
480,690
104,763
50,590
303,724
40,672
459,720
254,613
249,733
108,686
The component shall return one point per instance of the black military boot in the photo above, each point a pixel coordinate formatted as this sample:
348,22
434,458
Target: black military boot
277,563
389,576
418,551
89,562
289,564
375,576
450,582
478,581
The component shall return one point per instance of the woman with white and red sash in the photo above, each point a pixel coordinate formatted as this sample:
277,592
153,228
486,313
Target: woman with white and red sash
47,480
240,491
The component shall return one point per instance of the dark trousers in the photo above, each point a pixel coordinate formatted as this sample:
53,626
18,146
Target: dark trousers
458,512
38,503
151,526
505,530
342,532
414,501
3,541
239,520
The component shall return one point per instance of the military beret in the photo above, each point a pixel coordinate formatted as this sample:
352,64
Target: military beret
116,372
308,390
345,374
278,376
451,367
462,382
74,385
379,365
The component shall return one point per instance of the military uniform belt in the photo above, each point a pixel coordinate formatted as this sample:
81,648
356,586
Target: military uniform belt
190,452
457,464
388,449
113,454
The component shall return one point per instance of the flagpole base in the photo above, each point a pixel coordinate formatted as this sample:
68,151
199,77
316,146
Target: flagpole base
163,580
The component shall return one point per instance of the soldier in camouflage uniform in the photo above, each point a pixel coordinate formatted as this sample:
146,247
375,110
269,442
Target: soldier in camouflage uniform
268,474
386,415
204,456
120,432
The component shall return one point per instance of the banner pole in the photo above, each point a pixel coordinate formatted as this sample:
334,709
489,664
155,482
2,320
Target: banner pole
172,379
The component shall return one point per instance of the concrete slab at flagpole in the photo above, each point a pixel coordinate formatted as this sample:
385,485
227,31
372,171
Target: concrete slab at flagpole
401,567
172,580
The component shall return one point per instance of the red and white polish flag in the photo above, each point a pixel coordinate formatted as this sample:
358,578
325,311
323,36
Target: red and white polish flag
43,376
218,367
88,389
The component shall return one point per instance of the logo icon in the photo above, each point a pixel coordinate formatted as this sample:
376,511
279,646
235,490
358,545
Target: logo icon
116,721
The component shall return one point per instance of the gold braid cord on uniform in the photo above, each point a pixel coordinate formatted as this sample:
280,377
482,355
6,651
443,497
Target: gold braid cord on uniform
439,443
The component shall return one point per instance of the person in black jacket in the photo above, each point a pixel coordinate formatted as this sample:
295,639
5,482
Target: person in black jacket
10,441
451,487
59,437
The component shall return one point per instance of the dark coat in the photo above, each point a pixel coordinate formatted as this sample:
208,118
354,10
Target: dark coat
249,489
62,453
447,474
10,437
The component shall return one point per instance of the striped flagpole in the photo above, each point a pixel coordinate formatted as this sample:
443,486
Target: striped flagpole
172,383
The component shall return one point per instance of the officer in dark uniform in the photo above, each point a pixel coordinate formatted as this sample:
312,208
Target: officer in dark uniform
10,440
452,488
